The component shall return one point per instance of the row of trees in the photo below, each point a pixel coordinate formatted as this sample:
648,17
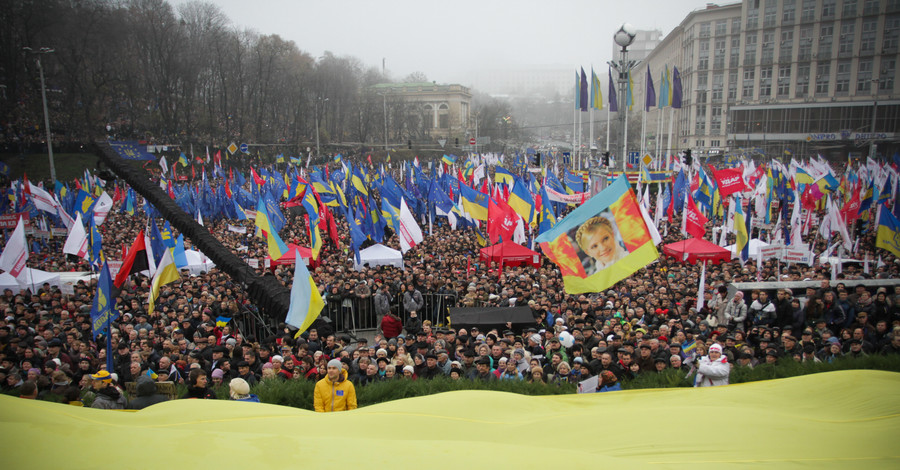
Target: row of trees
148,70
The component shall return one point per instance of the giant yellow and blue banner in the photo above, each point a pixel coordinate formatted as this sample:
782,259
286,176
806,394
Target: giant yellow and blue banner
601,242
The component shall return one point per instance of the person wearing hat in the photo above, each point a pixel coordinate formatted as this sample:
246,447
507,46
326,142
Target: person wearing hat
146,394
736,311
483,370
431,369
107,396
334,392
713,369
239,390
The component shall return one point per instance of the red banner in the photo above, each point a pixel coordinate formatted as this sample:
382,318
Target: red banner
11,220
730,181
694,219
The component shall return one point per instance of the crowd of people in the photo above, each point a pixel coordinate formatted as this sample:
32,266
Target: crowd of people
646,324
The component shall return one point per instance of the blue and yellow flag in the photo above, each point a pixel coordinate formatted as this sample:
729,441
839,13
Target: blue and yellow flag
521,200
742,244
596,91
276,245
502,175
601,242
84,204
4,169
102,311
306,302
548,218
337,158
279,158
359,181
223,321
449,159
474,202
182,159
888,235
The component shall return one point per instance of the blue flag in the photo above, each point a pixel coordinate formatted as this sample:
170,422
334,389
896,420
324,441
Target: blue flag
156,243
102,311
178,254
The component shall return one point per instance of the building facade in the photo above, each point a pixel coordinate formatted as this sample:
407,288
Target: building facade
426,111
783,77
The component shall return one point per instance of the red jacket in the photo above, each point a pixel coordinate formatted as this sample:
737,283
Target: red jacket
391,326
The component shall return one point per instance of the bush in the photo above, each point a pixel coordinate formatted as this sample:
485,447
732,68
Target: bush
299,393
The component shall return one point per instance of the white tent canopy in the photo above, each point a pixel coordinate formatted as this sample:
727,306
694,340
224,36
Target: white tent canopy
197,262
378,255
7,281
35,278
755,245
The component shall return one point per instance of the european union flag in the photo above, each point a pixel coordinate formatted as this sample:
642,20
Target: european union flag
131,150
102,311
156,243
4,169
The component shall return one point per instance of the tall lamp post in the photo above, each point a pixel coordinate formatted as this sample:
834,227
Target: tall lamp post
384,108
623,38
37,53
318,100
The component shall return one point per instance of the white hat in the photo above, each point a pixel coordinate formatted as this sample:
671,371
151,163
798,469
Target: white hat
717,348
239,386
409,368
277,358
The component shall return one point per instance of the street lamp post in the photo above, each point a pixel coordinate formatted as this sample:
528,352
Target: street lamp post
384,107
44,50
623,38
318,100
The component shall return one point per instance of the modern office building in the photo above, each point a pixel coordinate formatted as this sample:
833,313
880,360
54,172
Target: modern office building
783,77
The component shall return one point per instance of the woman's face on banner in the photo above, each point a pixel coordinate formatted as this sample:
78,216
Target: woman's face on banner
601,244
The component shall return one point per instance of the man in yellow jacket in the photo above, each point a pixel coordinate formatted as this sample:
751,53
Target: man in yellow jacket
334,392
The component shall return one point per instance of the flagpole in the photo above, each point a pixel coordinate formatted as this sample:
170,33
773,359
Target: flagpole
580,131
607,127
109,356
591,120
661,116
575,110
625,141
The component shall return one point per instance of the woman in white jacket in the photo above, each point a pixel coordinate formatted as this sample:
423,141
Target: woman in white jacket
713,368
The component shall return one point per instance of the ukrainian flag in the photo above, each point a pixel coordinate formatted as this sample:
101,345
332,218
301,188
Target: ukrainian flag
502,175
391,215
888,235
742,245
312,209
279,158
337,158
548,220
222,321
277,248
359,182
183,159
468,169
521,200
306,302
474,202
449,159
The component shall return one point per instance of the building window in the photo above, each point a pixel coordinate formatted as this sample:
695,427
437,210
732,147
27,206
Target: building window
749,77
721,27
784,80
444,116
801,89
826,36
823,72
704,30
732,85
867,41
702,87
735,51
864,76
700,121
886,81
765,82
788,12
891,34
845,45
736,26
750,49
849,10
787,45
828,8
768,49
809,10
770,13
752,18
715,126
871,7
842,82
718,87
428,116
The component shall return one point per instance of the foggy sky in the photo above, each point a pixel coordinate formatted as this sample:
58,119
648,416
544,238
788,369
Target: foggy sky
448,40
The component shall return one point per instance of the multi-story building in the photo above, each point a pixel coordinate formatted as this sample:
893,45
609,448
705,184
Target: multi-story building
784,77
645,40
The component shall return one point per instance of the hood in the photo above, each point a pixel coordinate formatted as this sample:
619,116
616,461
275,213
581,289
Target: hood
145,386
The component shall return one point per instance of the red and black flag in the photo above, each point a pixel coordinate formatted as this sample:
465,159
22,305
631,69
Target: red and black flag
135,261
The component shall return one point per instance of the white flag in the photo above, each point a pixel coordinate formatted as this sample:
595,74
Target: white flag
15,253
77,241
164,164
410,233
42,199
101,208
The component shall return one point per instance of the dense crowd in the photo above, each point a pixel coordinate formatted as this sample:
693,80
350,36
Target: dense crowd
645,324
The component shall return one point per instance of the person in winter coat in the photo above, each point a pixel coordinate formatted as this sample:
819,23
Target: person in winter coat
108,396
334,392
146,394
713,369
391,326
239,390
412,299
762,311
199,386
382,302
736,311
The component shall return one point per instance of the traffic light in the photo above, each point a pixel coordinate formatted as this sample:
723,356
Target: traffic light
409,144
457,141
536,159
605,158
687,157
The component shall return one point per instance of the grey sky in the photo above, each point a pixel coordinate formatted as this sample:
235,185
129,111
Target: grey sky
446,40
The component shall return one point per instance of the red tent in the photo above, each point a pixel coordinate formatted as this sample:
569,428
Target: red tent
288,258
697,250
511,253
